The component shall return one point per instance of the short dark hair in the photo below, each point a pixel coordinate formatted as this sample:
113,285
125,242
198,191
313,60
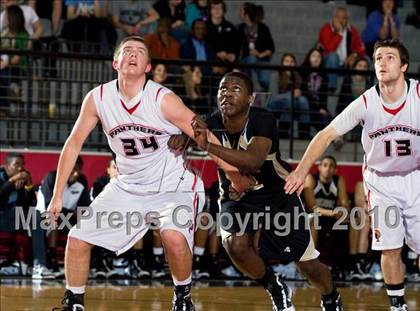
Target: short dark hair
329,157
245,79
217,2
402,50
251,10
130,38
12,155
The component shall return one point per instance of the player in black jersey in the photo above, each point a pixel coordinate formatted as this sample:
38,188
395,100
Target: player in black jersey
324,192
247,139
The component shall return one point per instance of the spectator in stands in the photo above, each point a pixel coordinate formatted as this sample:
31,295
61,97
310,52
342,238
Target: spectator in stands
76,195
130,17
197,9
222,35
14,37
16,190
87,23
382,24
290,84
33,25
340,42
359,263
192,78
315,87
160,74
196,47
175,11
323,192
161,44
353,85
51,11
257,45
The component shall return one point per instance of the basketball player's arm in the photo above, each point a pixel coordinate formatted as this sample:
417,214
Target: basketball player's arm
85,123
343,123
309,195
174,110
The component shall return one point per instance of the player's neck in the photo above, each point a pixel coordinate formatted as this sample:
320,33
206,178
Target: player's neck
392,91
129,88
235,124
324,179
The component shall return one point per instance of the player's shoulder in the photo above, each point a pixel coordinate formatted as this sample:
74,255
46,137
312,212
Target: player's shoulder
414,86
260,115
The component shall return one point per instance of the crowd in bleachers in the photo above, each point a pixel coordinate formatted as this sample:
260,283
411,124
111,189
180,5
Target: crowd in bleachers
176,29
197,30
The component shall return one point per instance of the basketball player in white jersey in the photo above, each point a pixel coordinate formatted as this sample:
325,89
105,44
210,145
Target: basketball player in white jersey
138,117
390,114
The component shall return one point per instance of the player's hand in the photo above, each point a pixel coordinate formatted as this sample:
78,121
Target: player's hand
200,132
55,207
295,182
243,183
178,143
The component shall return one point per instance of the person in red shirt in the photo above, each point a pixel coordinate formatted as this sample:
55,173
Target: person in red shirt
340,42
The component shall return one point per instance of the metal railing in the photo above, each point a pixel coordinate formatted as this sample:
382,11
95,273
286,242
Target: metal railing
42,100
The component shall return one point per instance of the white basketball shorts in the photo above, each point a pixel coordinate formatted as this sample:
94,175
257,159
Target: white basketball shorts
394,205
118,218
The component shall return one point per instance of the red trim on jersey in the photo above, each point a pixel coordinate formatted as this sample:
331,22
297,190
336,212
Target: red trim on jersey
132,109
194,182
418,90
364,100
102,91
394,111
157,94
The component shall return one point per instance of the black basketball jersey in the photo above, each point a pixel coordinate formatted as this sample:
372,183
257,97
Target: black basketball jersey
260,123
326,194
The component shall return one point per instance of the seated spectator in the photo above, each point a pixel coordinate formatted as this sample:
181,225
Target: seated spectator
353,85
196,47
130,17
323,192
315,87
222,35
341,44
50,12
175,11
290,84
16,190
194,98
13,67
382,24
359,263
33,25
161,44
87,23
160,74
257,45
76,195
197,9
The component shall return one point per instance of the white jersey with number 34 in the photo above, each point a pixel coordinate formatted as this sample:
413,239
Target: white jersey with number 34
391,133
138,134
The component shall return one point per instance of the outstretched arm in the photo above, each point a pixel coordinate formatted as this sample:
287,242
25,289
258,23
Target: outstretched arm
296,180
85,123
